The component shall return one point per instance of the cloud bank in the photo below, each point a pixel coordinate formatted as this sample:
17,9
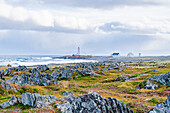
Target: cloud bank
99,27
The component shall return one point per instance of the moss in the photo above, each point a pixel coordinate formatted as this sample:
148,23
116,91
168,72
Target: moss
23,107
140,110
156,100
134,75
3,98
2,91
35,90
11,92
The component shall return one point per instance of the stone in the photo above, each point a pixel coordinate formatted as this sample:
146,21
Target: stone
162,107
163,78
93,103
42,68
67,93
15,80
5,85
149,85
36,100
1,75
123,78
154,70
11,102
22,68
105,69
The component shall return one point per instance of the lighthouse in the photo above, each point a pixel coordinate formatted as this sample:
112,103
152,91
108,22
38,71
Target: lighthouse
78,53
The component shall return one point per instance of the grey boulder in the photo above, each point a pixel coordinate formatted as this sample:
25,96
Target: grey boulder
93,103
37,100
5,85
11,102
162,107
163,78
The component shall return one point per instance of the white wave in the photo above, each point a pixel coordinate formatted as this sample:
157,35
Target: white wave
44,62
43,58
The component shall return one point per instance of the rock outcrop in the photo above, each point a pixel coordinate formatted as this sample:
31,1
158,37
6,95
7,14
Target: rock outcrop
150,85
11,102
37,100
42,68
33,76
30,99
162,107
93,103
5,85
163,78
15,80
123,78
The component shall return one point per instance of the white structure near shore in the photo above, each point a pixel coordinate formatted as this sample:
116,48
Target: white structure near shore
130,54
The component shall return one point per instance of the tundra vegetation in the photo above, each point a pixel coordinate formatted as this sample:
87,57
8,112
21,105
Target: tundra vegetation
125,81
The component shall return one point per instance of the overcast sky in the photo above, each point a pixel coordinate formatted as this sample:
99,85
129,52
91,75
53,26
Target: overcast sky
98,27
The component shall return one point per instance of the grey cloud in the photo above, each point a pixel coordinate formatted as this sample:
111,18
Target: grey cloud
89,3
8,24
117,26
114,26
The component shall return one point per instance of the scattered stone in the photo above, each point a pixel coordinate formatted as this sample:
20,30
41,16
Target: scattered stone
37,100
162,107
60,73
15,80
22,68
163,78
5,85
67,93
162,66
11,102
148,99
94,103
42,68
147,85
8,72
154,70
123,78
133,97
31,99
105,69
1,75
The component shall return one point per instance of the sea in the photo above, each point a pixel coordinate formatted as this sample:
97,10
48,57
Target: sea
37,60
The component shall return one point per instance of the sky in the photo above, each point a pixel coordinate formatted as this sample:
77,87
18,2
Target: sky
98,27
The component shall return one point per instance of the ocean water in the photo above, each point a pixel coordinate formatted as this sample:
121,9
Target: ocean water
36,60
